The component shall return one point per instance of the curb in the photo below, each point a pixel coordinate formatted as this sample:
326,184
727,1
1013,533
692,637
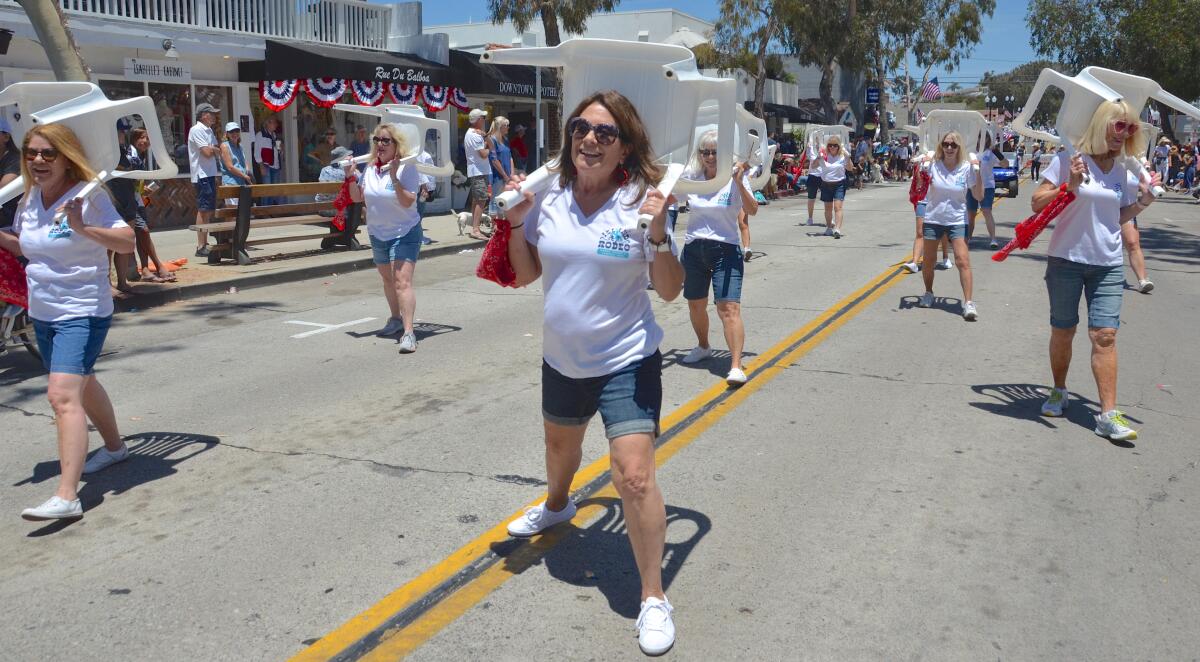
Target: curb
355,260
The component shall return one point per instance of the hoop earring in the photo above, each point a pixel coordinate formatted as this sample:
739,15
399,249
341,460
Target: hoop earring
621,175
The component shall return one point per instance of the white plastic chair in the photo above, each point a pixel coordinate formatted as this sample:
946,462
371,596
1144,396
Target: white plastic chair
20,101
970,124
660,80
93,118
414,125
816,136
750,148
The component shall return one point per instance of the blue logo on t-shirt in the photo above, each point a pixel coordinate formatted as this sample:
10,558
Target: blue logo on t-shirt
1115,187
725,199
60,230
614,243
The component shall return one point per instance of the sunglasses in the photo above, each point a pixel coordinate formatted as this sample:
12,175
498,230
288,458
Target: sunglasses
833,146
707,152
606,134
48,155
1121,126
949,145
381,140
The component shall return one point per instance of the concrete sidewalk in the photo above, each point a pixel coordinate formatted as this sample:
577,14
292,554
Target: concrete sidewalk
274,263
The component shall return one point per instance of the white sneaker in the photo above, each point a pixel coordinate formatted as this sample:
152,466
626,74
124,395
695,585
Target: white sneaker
54,508
994,244
1112,425
697,354
656,630
828,231
946,264
926,300
1145,286
969,312
408,344
746,254
394,325
538,519
811,222
910,267
837,233
736,377
1056,402
104,459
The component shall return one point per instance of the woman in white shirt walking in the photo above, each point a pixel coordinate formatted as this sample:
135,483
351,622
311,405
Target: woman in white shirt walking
389,191
600,344
951,177
1084,256
711,255
832,167
69,300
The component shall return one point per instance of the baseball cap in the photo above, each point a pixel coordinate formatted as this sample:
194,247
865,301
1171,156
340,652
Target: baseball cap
206,108
476,113
233,126
340,152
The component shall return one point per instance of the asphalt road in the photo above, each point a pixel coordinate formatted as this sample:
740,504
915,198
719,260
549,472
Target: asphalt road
886,490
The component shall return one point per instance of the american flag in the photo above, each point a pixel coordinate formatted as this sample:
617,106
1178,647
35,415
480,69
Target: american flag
931,91
920,116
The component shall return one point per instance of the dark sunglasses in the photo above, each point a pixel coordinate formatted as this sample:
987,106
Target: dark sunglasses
1121,126
48,155
708,152
606,134
949,145
833,146
381,140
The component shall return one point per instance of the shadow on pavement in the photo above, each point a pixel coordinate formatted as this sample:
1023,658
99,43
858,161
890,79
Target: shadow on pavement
1024,402
948,304
422,330
152,455
718,364
599,556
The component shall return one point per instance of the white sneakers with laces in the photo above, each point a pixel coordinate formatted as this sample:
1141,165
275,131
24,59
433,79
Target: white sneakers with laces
408,343
1056,402
697,354
1113,425
910,267
946,264
656,630
1145,286
969,313
55,507
538,519
736,377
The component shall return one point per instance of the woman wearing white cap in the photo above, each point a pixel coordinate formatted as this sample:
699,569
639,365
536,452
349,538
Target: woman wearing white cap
233,161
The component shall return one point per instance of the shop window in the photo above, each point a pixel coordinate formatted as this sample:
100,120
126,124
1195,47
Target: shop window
314,124
173,104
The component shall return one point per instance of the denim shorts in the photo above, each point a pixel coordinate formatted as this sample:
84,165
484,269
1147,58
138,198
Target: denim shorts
831,191
206,193
989,197
71,346
813,183
629,400
935,232
710,261
1102,286
921,209
404,248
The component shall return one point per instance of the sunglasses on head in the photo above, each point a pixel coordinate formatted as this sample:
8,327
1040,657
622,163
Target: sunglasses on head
707,152
949,145
48,155
606,134
1121,126
381,140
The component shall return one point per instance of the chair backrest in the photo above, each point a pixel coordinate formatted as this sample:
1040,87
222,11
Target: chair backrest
413,123
1082,95
970,124
660,80
18,103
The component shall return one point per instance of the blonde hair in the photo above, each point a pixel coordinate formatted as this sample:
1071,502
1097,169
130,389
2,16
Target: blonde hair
67,143
1095,140
398,140
498,124
940,153
695,166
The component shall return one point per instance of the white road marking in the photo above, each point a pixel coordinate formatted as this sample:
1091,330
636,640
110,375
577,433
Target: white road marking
323,328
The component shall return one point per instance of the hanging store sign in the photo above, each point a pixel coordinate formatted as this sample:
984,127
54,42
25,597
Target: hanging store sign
158,71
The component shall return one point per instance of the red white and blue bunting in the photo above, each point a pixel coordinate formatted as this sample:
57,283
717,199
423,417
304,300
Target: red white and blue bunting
404,93
325,92
278,94
458,99
367,92
435,96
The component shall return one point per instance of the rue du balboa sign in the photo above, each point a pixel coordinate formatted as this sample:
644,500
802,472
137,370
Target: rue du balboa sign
169,71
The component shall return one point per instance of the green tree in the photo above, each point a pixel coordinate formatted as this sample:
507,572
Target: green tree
1018,83
745,31
820,33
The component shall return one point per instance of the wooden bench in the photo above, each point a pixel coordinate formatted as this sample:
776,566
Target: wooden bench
231,226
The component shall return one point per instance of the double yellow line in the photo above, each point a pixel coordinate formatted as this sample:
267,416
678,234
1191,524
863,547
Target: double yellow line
412,614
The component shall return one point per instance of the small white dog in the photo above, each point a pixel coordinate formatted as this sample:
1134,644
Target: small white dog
464,221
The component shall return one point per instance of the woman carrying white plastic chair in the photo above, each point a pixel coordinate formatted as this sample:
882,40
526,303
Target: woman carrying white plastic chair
951,177
833,166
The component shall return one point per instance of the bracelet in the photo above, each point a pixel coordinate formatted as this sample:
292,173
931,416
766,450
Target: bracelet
514,227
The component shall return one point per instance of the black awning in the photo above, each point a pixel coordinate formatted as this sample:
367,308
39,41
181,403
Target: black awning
508,80
789,113
285,62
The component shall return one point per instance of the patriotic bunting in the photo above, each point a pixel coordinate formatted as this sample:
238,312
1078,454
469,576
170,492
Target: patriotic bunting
404,93
458,99
278,94
325,92
367,93
435,96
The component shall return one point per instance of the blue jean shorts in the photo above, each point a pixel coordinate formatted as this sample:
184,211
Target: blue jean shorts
813,184
206,193
921,209
1102,287
708,261
629,400
935,232
71,346
404,248
831,191
989,197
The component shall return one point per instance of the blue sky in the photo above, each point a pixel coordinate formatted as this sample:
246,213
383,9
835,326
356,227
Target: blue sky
1005,41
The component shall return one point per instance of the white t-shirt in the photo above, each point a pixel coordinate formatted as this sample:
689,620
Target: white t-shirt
987,161
833,169
386,219
946,200
597,317
1089,229
202,166
902,152
265,144
67,273
814,168
428,181
477,165
714,216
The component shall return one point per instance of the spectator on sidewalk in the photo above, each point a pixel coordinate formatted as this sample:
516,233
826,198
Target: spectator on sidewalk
360,146
124,201
202,157
267,154
322,154
519,149
138,157
479,170
233,160
500,157
428,184
334,172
